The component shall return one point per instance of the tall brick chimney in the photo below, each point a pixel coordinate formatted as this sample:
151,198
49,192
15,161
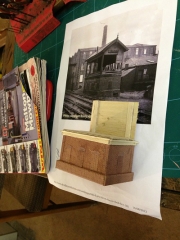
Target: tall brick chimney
104,38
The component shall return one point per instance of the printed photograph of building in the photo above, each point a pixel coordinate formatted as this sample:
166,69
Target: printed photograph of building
122,69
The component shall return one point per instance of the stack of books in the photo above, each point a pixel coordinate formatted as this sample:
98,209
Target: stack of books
24,141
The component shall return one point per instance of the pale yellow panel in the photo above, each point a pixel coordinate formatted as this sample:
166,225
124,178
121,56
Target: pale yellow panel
114,118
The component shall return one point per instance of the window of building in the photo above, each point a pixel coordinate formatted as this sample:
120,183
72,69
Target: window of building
151,50
81,79
140,74
96,67
82,67
126,65
145,71
137,51
118,66
92,67
84,55
88,69
145,51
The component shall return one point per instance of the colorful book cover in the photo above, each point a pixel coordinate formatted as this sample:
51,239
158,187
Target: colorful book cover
25,157
11,125
20,120
4,120
28,115
21,149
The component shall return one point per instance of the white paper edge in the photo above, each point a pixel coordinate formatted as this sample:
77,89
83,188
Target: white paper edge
57,177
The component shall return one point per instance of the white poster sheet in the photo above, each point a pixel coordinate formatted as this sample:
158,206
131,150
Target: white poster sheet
138,25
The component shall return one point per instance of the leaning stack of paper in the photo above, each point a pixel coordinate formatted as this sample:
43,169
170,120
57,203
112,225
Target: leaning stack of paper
24,137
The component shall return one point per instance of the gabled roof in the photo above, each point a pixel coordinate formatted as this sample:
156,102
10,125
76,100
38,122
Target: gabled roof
103,49
140,45
139,61
126,72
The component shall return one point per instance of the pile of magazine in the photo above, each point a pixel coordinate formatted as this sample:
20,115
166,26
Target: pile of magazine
24,142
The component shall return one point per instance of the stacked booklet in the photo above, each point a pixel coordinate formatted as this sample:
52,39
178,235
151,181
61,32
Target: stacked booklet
24,142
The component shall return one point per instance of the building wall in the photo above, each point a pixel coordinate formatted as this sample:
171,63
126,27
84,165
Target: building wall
76,69
105,85
70,76
139,51
116,53
127,82
145,76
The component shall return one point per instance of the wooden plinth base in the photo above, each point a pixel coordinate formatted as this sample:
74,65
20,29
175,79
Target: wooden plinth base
95,176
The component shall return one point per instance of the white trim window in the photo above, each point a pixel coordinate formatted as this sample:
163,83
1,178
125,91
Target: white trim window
81,79
145,71
137,51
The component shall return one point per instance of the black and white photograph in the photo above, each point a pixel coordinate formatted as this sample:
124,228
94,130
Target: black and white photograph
114,60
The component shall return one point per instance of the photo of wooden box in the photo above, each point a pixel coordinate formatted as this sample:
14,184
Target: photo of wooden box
105,153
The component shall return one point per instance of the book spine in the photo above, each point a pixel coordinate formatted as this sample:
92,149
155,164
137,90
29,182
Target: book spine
41,156
37,122
5,160
4,120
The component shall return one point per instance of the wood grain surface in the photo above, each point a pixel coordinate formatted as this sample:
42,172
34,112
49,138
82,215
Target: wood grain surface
172,184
